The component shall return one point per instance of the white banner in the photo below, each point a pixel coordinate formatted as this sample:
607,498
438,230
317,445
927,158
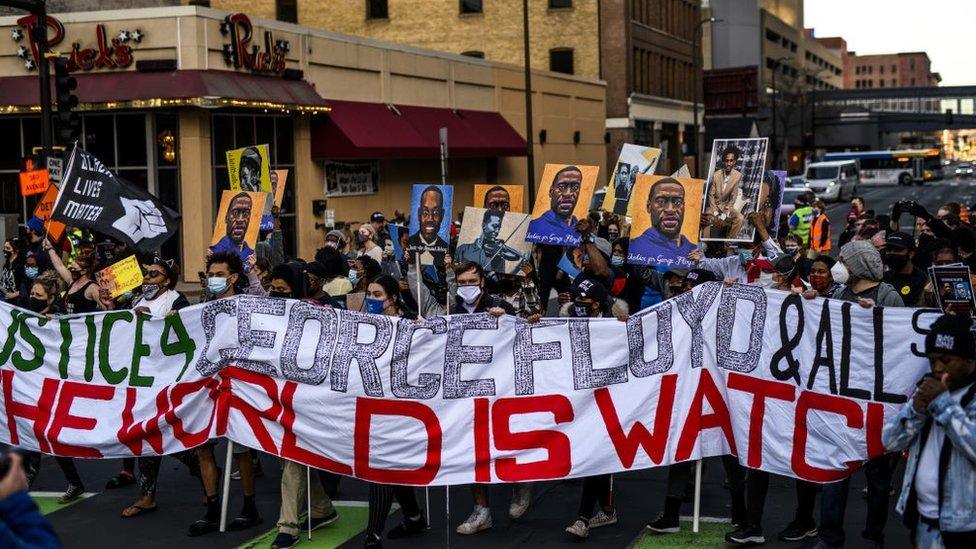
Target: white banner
791,386
352,178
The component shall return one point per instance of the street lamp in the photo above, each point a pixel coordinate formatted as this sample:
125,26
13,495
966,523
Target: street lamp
696,47
776,66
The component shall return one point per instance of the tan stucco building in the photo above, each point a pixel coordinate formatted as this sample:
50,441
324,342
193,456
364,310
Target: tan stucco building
164,120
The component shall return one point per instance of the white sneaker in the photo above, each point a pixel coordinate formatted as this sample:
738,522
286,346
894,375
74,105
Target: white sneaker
479,520
521,498
579,529
601,518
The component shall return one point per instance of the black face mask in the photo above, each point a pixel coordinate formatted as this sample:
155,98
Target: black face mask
896,262
279,294
36,305
579,310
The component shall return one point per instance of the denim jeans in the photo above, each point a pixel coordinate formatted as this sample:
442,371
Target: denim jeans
927,537
833,504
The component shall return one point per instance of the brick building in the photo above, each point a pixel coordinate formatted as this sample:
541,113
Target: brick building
889,70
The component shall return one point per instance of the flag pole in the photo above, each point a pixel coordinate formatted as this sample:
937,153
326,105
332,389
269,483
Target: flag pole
697,513
226,487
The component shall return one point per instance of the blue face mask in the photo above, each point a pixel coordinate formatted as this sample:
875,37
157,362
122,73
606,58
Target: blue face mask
375,306
216,285
353,276
30,272
617,261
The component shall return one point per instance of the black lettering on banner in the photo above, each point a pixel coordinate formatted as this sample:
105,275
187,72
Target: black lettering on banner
348,349
301,313
208,318
845,358
527,352
916,325
734,360
428,383
456,355
636,341
825,351
585,376
789,342
693,311
247,307
879,394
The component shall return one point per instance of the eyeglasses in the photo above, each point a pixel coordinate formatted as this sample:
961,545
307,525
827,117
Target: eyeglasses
152,273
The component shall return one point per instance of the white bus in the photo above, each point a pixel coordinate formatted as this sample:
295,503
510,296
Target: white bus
903,167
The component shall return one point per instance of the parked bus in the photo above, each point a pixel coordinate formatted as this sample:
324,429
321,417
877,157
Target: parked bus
903,167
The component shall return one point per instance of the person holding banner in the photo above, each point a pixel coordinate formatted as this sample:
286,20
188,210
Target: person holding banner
383,297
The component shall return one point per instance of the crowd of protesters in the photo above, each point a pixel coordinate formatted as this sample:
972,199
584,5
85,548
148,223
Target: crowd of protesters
872,263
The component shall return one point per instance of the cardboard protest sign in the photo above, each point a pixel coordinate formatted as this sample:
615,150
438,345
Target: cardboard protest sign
278,180
564,198
505,198
666,214
732,187
430,223
249,169
633,160
493,239
43,211
238,220
120,277
953,288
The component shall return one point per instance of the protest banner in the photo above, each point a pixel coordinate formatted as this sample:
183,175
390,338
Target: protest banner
118,278
666,213
633,161
732,187
765,375
493,239
505,198
237,223
564,198
352,178
249,169
278,180
43,210
92,197
953,288
430,225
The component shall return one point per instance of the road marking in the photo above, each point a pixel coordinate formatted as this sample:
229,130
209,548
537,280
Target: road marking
689,518
42,494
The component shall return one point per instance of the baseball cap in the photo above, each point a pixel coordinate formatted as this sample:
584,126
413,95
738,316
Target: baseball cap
951,334
700,276
592,289
377,216
784,264
35,224
900,240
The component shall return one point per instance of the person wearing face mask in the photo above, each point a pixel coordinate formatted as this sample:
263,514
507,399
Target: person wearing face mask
12,274
902,273
819,231
335,274
752,265
629,283
519,291
793,247
785,275
31,272
366,239
82,295
938,429
335,240
801,220
821,282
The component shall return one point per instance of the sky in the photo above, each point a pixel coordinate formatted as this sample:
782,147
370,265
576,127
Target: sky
943,28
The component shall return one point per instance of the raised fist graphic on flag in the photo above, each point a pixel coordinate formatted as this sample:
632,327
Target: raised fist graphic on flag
142,220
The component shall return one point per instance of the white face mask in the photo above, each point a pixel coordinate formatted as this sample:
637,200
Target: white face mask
765,280
839,273
469,294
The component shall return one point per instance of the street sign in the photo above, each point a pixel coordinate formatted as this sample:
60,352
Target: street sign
55,167
34,182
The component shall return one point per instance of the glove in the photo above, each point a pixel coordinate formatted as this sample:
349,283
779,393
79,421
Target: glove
919,211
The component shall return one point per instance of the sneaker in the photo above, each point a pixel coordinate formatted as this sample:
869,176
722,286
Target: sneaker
235,475
579,529
244,521
602,518
797,531
284,541
521,498
201,527
325,521
409,527
373,542
664,525
73,492
479,520
750,535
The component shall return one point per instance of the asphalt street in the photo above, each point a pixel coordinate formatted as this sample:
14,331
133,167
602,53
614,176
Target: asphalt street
96,522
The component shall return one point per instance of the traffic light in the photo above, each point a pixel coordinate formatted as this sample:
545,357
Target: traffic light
69,123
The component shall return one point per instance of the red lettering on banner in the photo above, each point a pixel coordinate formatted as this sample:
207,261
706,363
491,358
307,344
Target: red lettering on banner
761,389
176,395
366,408
482,441
289,441
40,414
828,403
558,464
698,422
653,444
254,417
64,419
873,428
133,434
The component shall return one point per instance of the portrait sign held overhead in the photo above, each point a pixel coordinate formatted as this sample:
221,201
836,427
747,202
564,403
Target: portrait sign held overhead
633,161
666,213
430,223
771,199
733,185
238,220
279,179
493,239
503,198
564,198
249,169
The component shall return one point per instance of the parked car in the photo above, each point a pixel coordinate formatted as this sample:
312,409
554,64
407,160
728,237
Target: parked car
833,181
964,169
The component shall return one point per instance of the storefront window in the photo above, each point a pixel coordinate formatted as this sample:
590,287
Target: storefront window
233,131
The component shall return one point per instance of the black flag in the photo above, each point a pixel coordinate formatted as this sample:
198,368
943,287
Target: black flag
93,197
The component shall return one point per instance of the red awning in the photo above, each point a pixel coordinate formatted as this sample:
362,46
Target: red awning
209,88
356,129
